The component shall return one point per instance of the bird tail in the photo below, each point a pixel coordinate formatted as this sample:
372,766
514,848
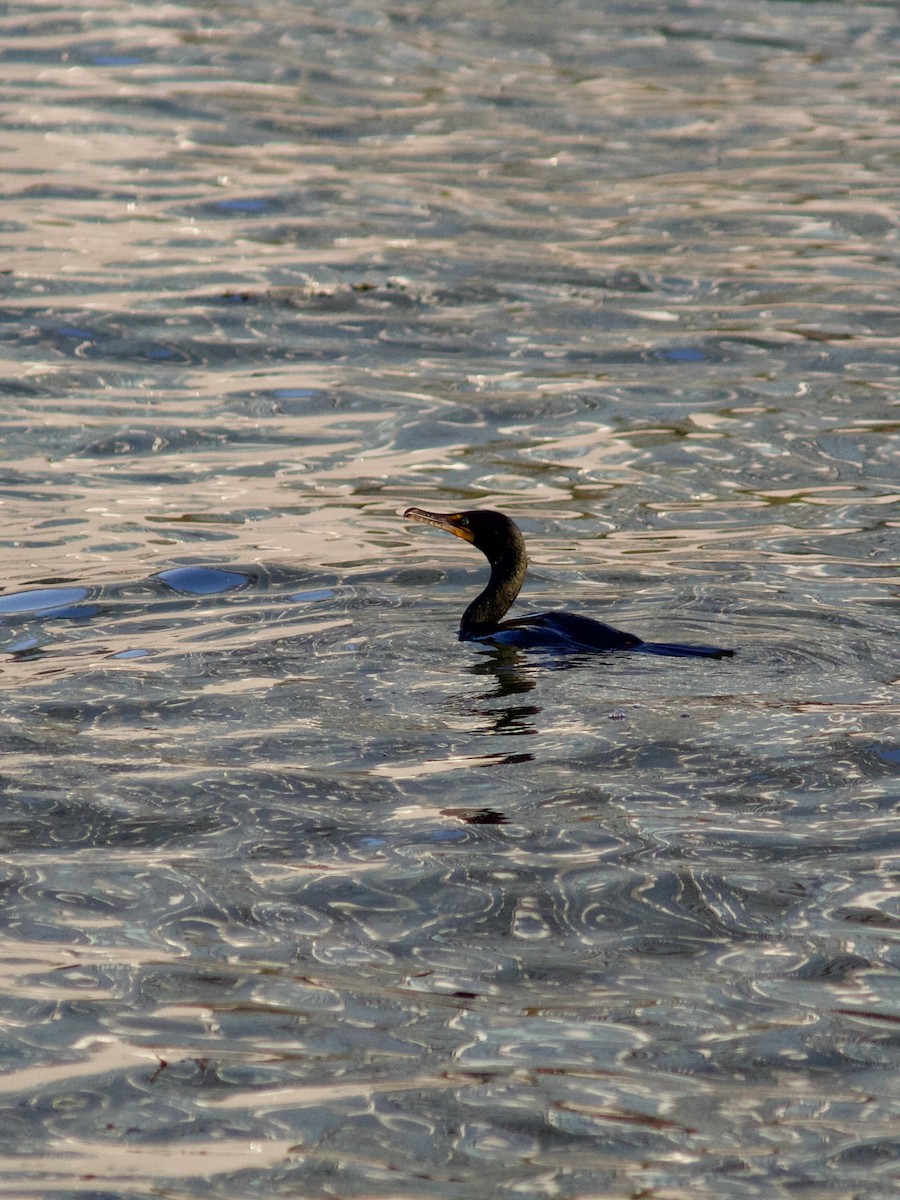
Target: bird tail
675,650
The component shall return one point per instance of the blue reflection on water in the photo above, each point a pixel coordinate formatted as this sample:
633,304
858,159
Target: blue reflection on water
314,594
72,331
249,204
683,354
51,603
40,599
116,60
23,647
448,835
203,581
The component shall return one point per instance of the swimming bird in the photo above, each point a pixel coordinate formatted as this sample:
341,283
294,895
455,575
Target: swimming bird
501,541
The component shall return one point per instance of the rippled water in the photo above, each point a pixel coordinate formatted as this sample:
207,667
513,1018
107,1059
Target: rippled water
300,895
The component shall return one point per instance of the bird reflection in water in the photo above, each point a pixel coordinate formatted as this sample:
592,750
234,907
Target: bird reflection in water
512,678
485,714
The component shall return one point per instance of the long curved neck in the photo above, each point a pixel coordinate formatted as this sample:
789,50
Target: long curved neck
508,566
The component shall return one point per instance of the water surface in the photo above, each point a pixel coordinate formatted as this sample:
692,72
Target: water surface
301,896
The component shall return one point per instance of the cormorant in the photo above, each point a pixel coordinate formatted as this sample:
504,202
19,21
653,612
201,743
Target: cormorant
501,541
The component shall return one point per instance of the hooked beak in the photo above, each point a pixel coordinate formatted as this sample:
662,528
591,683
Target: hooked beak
449,522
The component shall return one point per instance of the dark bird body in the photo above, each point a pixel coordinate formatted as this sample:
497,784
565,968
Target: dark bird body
501,541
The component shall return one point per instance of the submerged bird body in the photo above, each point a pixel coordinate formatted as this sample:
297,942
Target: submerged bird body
501,541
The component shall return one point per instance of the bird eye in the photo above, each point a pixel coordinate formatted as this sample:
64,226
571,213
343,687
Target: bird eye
463,522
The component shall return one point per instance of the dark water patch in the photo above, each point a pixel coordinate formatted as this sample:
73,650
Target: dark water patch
74,825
